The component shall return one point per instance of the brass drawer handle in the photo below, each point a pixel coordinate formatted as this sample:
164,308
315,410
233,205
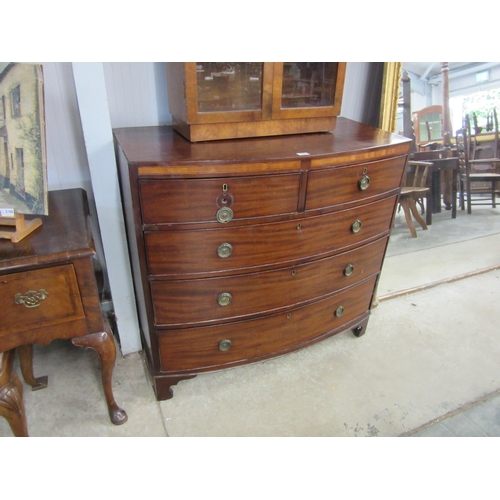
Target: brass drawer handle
356,226
224,215
31,298
224,299
224,250
364,183
349,269
225,345
339,311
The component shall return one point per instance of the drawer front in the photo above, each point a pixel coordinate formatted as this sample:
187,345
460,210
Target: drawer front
174,253
203,347
339,185
39,298
196,200
208,300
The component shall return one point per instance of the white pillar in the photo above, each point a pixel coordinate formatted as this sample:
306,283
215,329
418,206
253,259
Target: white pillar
96,124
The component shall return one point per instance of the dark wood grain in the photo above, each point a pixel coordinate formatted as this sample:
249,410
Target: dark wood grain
174,253
197,348
49,291
295,200
185,302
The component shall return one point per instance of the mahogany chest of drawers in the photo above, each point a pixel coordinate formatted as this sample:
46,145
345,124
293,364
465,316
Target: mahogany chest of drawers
246,249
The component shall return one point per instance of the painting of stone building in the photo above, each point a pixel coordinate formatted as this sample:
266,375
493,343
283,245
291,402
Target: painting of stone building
23,165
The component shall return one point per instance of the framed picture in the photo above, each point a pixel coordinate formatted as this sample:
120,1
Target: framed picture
23,159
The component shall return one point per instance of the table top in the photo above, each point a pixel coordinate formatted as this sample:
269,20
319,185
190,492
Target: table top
63,235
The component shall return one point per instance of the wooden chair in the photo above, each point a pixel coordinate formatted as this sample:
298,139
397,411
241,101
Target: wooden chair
414,190
481,171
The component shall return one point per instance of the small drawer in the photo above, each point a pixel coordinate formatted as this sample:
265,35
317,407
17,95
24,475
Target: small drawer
44,297
183,302
200,200
212,347
336,186
191,252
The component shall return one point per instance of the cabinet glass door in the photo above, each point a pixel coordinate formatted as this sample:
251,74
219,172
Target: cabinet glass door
308,84
229,86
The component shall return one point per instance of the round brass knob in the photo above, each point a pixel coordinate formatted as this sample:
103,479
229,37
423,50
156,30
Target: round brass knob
349,269
364,182
224,215
339,311
224,250
224,345
356,226
224,299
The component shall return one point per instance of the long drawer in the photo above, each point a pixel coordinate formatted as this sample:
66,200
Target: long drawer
40,297
214,346
191,252
184,302
195,200
334,186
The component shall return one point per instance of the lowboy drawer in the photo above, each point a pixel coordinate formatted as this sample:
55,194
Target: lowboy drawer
184,302
197,200
190,252
42,297
214,346
335,186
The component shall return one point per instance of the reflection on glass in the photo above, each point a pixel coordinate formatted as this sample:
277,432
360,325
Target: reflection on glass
430,127
225,86
307,84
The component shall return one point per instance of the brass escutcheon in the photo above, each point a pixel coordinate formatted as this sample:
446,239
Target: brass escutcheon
224,299
339,311
31,298
225,345
356,226
224,250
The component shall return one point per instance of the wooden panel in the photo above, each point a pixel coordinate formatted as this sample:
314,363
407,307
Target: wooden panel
62,301
195,301
176,253
198,348
335,186
184,201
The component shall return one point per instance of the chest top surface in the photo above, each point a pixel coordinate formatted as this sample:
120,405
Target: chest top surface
63,235
162,145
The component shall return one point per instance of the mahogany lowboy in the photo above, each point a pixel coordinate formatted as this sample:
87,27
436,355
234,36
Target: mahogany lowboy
48,291
246,249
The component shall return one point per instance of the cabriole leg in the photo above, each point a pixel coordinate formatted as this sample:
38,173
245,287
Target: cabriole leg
105,348
25,353
11,396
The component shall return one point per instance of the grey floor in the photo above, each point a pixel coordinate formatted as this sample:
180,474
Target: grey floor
427,366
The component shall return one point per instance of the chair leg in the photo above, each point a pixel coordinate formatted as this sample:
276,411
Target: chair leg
409,221
414,211
469,201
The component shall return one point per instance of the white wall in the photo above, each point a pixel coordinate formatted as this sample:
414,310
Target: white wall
135,95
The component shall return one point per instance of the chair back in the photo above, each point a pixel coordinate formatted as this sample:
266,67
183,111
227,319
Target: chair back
463,151
418,171
496,147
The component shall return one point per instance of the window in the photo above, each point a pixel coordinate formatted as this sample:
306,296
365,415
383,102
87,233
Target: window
15,99
2,109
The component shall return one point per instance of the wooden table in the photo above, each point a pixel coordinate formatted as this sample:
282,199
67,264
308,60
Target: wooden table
48,291
442,162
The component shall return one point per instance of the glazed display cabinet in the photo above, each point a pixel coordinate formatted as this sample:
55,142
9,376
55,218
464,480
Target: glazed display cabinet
210,100
245,249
